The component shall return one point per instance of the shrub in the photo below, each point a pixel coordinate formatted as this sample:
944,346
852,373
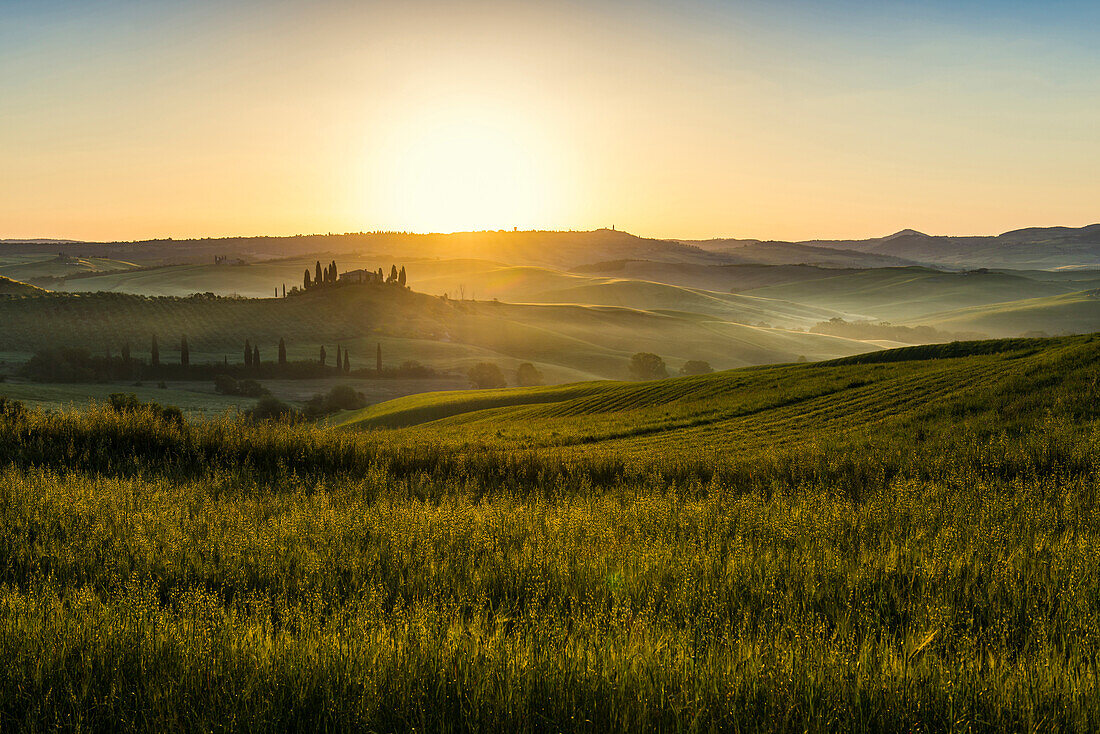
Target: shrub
486,375
270,408
647,366
527,375
696,367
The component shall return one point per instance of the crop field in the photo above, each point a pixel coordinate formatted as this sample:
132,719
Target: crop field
896,541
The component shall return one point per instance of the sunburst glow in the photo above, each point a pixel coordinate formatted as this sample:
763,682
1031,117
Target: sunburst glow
465,172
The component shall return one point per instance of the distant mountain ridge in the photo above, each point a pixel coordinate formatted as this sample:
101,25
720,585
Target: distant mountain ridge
1039,248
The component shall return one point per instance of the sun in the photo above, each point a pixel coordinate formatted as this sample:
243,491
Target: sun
464,172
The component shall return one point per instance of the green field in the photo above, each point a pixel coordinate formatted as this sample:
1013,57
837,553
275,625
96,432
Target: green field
899,541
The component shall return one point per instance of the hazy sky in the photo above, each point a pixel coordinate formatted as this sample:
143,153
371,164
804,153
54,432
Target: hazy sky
784,119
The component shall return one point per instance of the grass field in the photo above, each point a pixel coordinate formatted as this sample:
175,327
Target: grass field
895,541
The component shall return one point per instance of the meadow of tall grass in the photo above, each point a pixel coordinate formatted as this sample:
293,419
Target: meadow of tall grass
936,573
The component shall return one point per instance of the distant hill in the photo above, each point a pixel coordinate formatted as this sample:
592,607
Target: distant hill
898,294
1036,247
542,248
794,253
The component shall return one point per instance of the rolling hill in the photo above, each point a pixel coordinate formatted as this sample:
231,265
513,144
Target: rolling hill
568,342
1036,247
713,418
899,294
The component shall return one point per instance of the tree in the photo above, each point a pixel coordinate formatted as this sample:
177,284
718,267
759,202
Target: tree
247,354
347,363
318,276
284,290
324,356
378,359
696,367
393,274
401,277
486,375
306,284
185,352
647,366
527,375
154,353
256,355
282,351
339,359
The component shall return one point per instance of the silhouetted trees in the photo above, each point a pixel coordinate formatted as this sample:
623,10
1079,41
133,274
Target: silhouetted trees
323,355
282,351
317,278
185,352
696,367
527,375
486,375
401,277
347,363
339,359
255,355
306,282
647,366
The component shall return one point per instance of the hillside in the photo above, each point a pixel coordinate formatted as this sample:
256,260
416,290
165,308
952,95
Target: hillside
898,294
901,541
713,418
9,287
556,249
1074,312
568,342
1036,247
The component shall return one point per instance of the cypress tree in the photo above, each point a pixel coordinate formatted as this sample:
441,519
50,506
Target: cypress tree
282,351
247,354
256,356
393,274
154,353
305,281
318,276
401,277
185,352
339,361
284,290
323,355
378,359
347,364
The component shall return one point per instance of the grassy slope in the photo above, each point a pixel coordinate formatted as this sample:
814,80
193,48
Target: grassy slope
893,545
734,411
909,293
1072,312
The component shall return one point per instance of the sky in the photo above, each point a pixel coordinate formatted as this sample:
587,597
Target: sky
788,119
